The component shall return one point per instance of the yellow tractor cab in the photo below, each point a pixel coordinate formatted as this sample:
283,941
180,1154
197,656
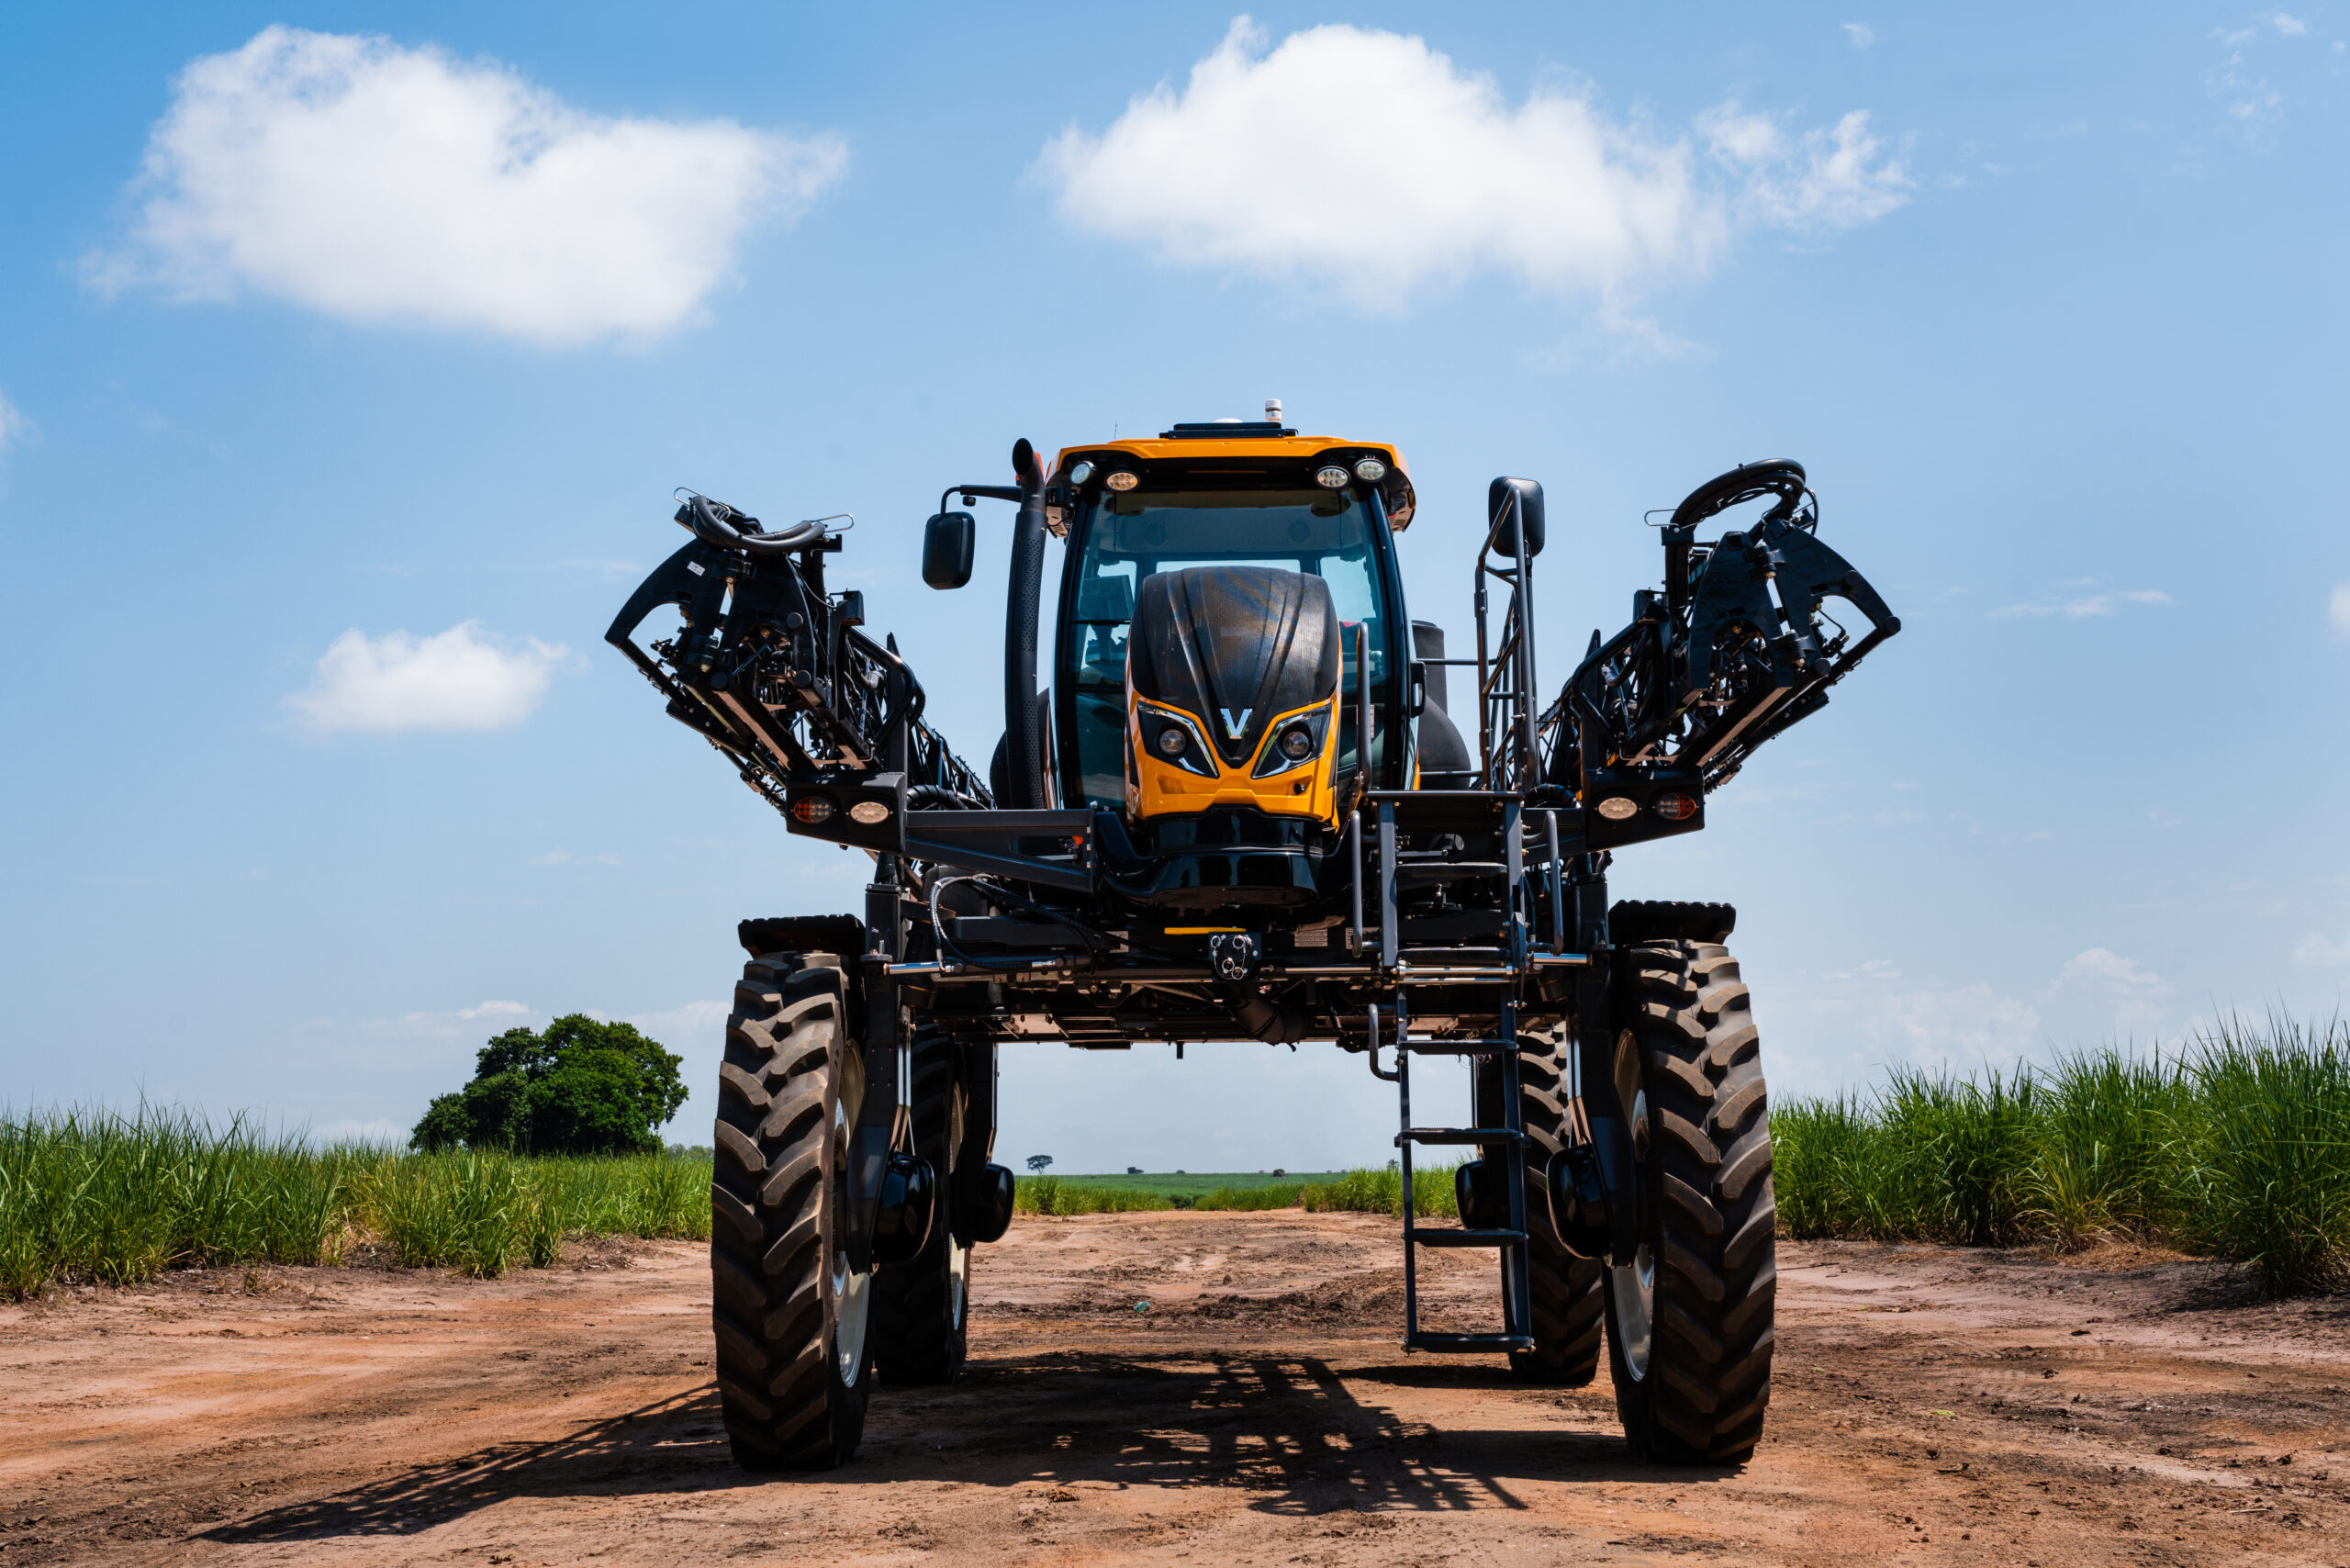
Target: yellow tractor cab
1230,605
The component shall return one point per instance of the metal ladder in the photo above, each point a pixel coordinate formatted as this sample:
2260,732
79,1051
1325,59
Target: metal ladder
1518,1313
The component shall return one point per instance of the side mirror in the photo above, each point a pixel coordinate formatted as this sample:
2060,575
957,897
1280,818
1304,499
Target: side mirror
947,546
1529,511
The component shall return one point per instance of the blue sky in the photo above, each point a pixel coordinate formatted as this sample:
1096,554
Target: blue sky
348,369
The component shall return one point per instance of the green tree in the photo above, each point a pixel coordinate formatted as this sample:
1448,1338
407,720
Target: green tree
582,1086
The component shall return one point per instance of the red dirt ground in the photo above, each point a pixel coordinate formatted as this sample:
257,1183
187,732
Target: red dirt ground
1931,1406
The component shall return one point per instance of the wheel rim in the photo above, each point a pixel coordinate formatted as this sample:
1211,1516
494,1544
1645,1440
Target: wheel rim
853,1297
852,1291
958,1257
1632,1287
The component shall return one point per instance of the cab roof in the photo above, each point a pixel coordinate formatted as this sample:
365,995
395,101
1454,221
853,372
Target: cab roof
1247,440
1220,442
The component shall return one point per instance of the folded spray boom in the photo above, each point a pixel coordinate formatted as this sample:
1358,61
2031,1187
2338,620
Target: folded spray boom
1738,648
774,671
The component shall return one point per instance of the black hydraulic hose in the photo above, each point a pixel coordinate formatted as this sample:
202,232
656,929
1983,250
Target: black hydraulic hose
1024,740
701,516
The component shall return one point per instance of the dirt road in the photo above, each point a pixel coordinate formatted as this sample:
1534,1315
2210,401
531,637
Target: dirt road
1930,1407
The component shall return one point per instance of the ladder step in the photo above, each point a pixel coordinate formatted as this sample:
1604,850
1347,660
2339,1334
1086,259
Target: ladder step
1459,1135
1460,1048
1455,1343
1466,1238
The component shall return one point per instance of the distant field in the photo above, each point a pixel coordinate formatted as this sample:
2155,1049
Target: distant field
1190,1183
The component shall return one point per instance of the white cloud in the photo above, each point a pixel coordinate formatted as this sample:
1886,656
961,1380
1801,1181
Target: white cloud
11,424
383,185
2322,953
2118,991
2086,606
694,1025
2285,22
2103,967
2337,609
493,1015
1961,1027
1367,162
458,679
1822,179
1861,33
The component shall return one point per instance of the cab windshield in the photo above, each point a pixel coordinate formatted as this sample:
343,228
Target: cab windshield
1125,538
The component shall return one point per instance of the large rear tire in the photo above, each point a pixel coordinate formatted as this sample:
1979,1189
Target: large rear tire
790,1314
1689,1321
1566,1291
921,1307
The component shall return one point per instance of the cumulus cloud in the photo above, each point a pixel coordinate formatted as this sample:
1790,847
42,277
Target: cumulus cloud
2320,952
695,1024
2124,993
1832,178
457,1021
11,424
383,185
458,679
1934,1026
1861,33
2337,609
1367,162
2083,607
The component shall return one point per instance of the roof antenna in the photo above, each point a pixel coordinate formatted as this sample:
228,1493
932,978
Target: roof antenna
1272,411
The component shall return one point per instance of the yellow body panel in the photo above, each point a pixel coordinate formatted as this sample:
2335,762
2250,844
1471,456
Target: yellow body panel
1291,447
1157,787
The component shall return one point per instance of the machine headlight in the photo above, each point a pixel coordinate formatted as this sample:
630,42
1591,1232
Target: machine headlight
1080,473
1675,808
1370,470
813,811
869,813
1616,808
1293,743
1331,478
1176,738
1121,480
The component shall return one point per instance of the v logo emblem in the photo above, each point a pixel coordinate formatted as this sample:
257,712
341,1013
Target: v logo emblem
1235,721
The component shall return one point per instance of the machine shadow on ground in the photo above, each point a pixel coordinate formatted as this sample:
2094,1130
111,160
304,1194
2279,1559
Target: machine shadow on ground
1288,1429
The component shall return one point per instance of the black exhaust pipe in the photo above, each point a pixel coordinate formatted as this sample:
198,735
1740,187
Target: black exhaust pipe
1024,716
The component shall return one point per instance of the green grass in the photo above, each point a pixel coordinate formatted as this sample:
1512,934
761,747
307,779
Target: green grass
1194,1184
1363,1191
1360,1190
114,1199
2237,1145
1052,1195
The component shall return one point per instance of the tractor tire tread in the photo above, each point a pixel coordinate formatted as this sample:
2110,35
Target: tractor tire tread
1707,1383
920,1328
782,1404
1565,1291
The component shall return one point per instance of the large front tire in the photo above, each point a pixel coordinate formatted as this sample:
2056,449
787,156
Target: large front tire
922,1307
1689,1320
794,1365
